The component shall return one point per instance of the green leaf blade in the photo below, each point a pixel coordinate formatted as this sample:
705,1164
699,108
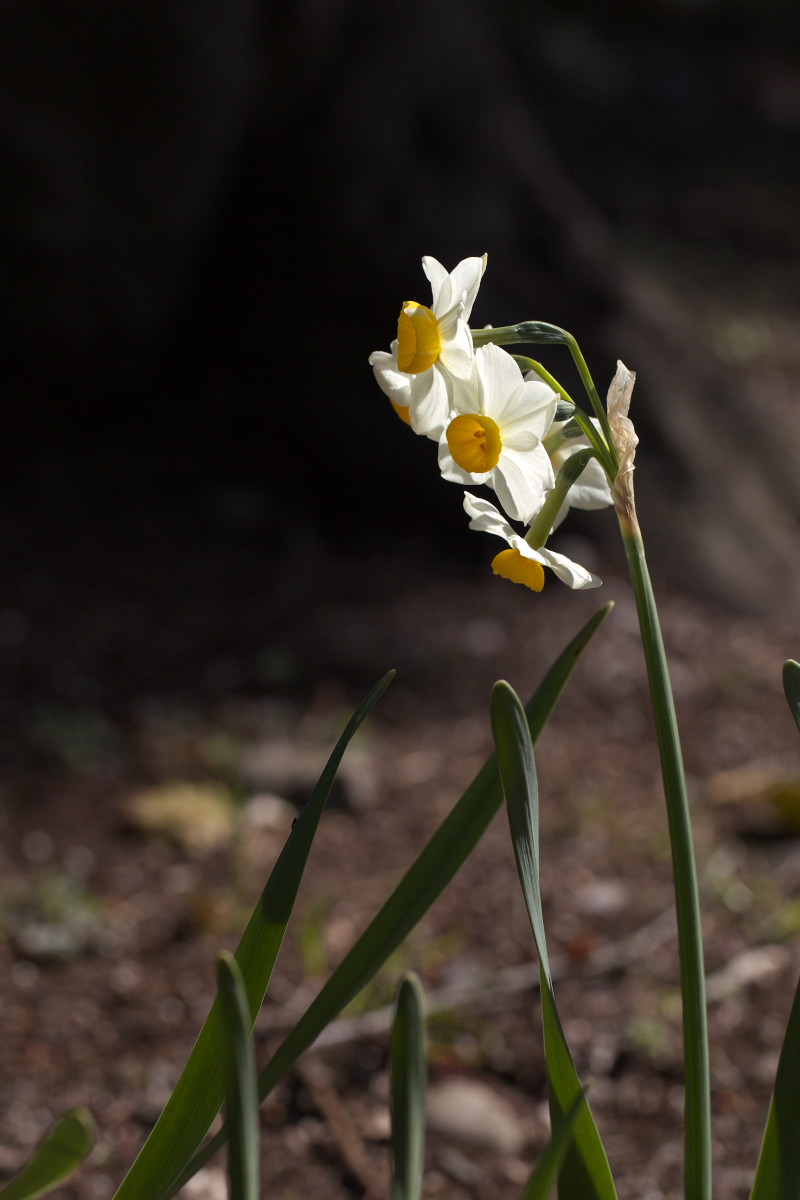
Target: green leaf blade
65,1147
514,750
199,1092
423,883
777,1174
241,1088
409,1073
546,1170
585,1171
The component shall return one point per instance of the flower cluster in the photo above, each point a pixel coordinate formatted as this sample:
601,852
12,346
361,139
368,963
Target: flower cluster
494,425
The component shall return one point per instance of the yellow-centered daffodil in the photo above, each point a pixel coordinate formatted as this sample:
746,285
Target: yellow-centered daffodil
432,348
495,433
520,562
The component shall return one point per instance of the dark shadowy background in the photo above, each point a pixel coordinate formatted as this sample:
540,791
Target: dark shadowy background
215,535
212,210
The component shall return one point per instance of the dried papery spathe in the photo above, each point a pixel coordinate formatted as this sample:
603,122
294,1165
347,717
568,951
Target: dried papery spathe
625,440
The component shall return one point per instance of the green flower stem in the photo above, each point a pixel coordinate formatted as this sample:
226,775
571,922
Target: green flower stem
607,457
697,1166
530,364
591,391
539,531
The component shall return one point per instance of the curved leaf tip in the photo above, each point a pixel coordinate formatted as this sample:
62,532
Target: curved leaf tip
64,1148
791,687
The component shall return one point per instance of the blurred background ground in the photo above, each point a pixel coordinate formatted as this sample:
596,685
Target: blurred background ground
215,538
143,809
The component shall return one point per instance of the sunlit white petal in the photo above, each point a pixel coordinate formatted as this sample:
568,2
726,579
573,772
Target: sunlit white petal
519,413
434,346
430,403
391,380
456,290
439,280
523,482
457,355
486,518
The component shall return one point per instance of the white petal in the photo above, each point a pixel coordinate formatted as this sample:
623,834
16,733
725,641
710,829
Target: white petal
522,480
543,401
506,408
592,494
467,392
465,281
453,472
522,416
501,379
440,284
538,387
486,518
569,572
591,490
396,384
457,354
519,438
429,406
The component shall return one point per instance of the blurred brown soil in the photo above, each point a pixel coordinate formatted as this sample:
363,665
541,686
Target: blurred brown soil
151,650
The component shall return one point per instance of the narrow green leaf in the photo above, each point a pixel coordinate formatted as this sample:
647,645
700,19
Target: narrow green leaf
241,1082
791,686
585,1171
64,1148
409,1080
778,1172
423,883
546,1170
198,1095
514,750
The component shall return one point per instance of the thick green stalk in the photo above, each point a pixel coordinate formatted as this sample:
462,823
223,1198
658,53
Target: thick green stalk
697,1116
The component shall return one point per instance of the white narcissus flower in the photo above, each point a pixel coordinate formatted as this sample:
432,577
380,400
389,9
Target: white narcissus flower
433,346
520,562
495,433
591,489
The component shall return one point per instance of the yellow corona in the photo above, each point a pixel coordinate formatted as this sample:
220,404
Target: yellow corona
475,443
510,564
419,340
